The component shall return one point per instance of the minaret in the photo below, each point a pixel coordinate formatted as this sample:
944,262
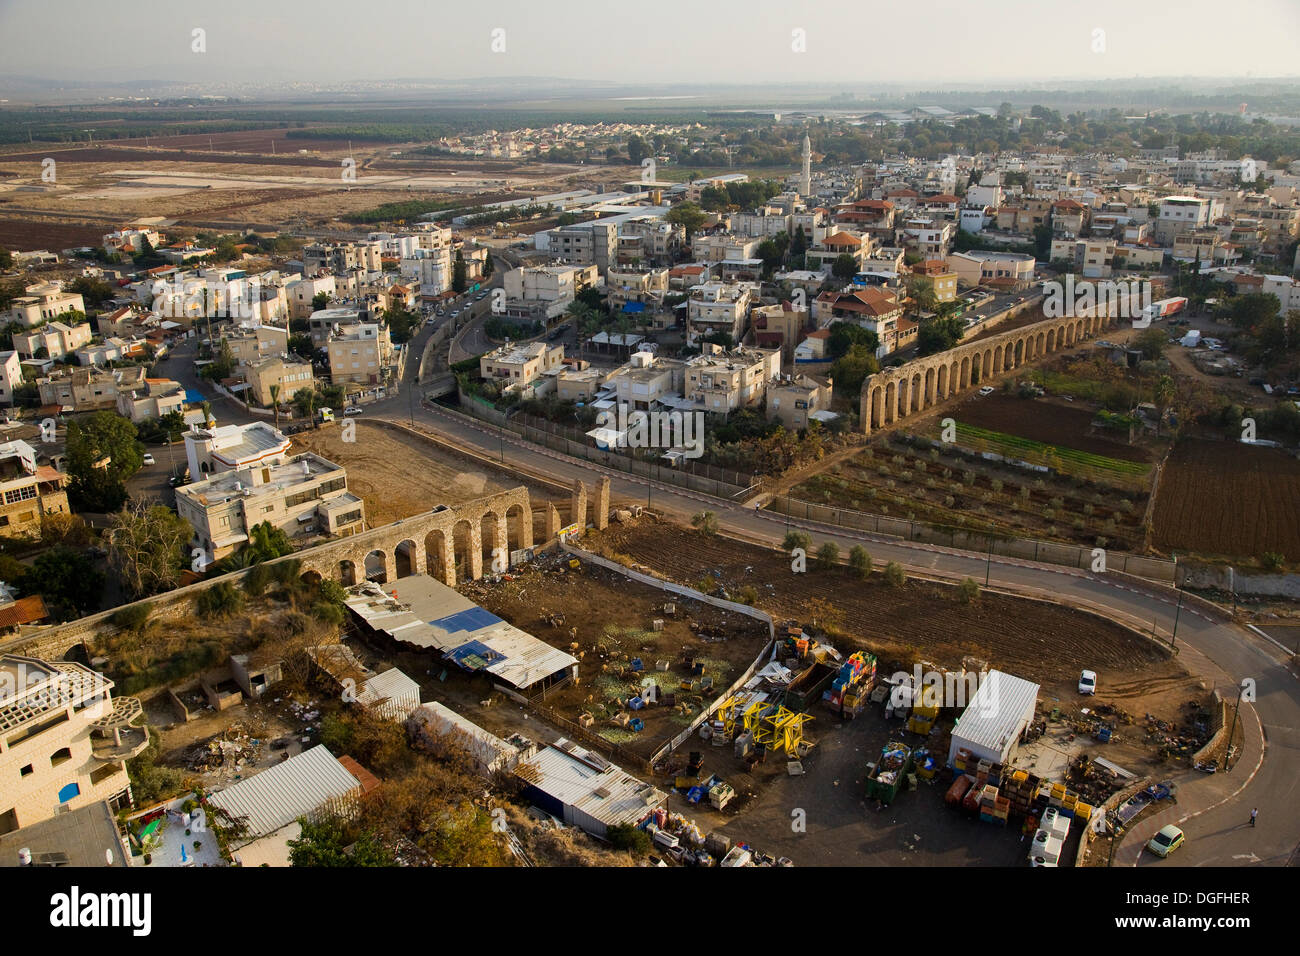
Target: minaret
805,181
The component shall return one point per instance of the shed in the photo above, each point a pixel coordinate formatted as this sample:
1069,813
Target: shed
585,790
432,722
391,695
991,725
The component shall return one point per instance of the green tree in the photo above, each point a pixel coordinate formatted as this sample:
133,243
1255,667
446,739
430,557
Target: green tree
845,267
860,561
796,539
828,555
687,215
844,335
706,522
146,547
459,274
939,334
68,581
637,149
1151,343
320,300
266,542
102,452
968,591
851,370
330,842
895,576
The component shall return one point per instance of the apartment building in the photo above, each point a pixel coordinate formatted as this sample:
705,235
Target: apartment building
650,241
717,307
152,398
43,302
301,293
623,284
11,376
645,380
579,384
585,243
724,246
221,448
856,245
794,400
360,353
28,490
518,366
764,222
64,740
874,308
1180,214
254,343
929,236
130,242
88,389
288,376
942,279
721,381
52,340
780,326
341,257
1094,258
1012,270
550,284
1069,217
302,495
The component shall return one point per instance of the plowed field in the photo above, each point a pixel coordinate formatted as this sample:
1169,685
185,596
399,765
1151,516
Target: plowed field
1228,499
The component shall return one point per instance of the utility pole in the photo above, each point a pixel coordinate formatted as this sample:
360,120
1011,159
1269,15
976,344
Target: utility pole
1173,638
1227,745
988,564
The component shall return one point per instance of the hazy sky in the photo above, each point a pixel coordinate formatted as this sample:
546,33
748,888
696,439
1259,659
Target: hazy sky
650,41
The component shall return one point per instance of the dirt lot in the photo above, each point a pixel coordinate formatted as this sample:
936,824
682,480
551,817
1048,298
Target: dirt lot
1227,499
607,623
380,472
1051,421
1037,641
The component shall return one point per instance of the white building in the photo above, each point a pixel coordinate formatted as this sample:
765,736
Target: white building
990,726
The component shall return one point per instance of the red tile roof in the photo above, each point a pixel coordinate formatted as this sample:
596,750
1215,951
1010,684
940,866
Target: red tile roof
25,610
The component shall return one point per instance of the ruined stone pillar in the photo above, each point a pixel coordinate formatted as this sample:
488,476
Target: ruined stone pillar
578,506
602,503
476,550
552,522
448,549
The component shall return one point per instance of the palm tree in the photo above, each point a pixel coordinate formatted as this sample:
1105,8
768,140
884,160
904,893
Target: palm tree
275,403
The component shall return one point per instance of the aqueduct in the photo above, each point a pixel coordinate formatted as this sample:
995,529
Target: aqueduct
895,393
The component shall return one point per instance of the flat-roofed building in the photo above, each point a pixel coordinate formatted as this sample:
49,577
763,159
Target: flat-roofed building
231,447
289,376
721,381
64,740
28,490
305,495
43,302
517,366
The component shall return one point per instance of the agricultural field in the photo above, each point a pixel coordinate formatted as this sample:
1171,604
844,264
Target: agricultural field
24,235
1225,499
1089,498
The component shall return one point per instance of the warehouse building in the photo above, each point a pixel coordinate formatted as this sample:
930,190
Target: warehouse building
585,790
432,726
990,726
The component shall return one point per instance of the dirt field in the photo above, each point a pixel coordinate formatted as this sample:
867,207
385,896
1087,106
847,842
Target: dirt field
1050,421
24,235
607,622
1040,642
380,472
1226,499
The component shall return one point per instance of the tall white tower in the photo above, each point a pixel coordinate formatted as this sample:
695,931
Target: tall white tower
805,181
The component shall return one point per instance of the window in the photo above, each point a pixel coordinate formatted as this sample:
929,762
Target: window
26,771
60,756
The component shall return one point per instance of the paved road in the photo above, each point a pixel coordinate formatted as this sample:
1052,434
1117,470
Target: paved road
1225,652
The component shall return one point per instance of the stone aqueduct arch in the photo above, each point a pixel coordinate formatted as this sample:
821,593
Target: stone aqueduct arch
425,543
895,393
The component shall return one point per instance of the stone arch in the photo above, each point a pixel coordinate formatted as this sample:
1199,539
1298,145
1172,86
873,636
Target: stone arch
492,532
406,559
465,550
998,366
1078,332
376,563
891,403
1020,352
311,578
986,366
916,397
437,556
931,385
1051,340
347,573
942,380
963,379
519,527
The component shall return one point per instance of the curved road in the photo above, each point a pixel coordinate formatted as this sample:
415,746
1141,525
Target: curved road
1212,809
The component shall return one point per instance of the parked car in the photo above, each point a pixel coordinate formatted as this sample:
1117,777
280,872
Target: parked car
1169,838
352,410
1088,682
987,390
148,459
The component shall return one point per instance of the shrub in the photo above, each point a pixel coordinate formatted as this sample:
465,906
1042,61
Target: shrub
895,576
968,591
748,595
996,485
1272,561
796,539
860,560
132,617
257,579
625,836
220,600
828,555
705,522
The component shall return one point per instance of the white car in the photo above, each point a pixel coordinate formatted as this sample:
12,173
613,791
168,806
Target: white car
987,390
352,410
148,459
1088,683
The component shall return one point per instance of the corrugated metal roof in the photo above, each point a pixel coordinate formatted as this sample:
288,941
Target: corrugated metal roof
573,776
392,694
298,787
487,748
994,714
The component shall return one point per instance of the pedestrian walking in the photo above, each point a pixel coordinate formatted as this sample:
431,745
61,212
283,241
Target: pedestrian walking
1253,813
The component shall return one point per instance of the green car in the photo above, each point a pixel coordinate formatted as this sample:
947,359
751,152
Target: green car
1166,841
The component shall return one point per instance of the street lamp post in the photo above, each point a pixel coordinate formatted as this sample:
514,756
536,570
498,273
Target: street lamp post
1173,638
988,564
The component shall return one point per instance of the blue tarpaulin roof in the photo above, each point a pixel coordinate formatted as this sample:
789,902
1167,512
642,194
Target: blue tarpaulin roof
475,655
471,619
633,306
194,398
